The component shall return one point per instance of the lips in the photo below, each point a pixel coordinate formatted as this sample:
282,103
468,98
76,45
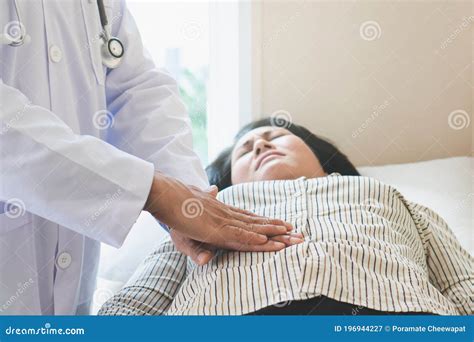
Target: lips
265,155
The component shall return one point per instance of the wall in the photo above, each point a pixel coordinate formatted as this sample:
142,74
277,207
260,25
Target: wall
387,81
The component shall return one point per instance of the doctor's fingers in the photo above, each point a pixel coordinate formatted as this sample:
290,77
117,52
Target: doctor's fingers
289,239
254,218
201,253
261,225
269,246
243,211
227,233
274,244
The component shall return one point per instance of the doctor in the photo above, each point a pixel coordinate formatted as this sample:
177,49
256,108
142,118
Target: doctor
91,134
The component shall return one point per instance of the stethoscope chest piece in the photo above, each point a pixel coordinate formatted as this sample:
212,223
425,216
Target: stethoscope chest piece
112,52
112,49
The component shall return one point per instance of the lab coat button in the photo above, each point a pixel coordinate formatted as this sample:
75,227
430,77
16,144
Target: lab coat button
64,260
55,54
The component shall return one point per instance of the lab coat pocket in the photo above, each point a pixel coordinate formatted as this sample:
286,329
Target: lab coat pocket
13,220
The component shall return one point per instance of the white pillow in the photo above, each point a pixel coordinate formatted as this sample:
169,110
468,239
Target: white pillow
443,185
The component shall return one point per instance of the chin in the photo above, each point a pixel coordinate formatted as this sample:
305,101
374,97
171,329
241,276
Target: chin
276,171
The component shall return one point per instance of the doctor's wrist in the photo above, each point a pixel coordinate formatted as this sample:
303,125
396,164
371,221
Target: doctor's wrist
158,187
165,199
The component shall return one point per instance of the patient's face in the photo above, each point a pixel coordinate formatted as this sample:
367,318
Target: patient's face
268,153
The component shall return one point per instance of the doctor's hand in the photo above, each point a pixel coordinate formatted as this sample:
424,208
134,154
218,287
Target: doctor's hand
199,216
201,253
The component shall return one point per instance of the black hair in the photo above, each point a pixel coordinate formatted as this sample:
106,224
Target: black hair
331,159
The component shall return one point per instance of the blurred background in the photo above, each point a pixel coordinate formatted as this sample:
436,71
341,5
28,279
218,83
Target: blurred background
176,35
387,81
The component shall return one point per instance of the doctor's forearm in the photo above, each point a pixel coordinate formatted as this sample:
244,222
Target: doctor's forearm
79,182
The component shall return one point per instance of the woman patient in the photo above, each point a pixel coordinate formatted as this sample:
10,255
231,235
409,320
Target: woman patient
358,246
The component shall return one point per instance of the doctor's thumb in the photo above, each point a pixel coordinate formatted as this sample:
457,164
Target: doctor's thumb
212,190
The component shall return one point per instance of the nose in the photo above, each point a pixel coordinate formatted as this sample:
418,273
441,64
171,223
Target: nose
261,145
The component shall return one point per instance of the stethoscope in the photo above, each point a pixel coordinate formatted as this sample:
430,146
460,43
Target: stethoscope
112,49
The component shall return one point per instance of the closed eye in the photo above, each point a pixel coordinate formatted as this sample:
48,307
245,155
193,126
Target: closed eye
277,136
247,150
243,153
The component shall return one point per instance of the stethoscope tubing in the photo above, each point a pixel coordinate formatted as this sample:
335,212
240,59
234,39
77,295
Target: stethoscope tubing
107,39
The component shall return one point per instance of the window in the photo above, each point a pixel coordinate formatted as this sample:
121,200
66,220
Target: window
176,34
206,46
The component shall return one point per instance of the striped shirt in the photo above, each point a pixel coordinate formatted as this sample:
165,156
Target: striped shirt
364,245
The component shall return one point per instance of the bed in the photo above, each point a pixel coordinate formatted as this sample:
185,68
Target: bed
444,185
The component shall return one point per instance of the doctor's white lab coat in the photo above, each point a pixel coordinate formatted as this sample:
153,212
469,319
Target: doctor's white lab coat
78,147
